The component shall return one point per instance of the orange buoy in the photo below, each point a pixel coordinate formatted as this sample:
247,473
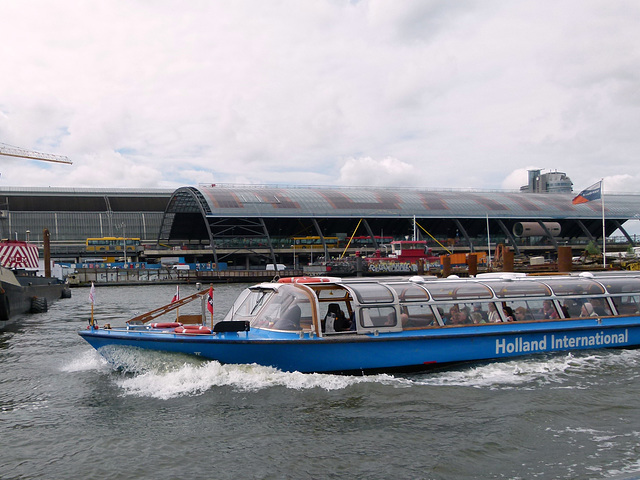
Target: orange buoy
193,329
309,280
166,325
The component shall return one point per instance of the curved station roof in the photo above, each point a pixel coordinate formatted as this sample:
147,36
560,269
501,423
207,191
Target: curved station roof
210,212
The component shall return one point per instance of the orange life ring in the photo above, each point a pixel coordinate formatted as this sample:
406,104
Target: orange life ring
309,279
192,329
166,325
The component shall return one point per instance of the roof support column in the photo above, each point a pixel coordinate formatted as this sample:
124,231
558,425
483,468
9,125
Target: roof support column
212,244
585,230
273,252
370,232
624,232
324,244
509,235
464,234
546,230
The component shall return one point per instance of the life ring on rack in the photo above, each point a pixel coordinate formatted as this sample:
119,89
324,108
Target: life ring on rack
309,280
166,325
192,329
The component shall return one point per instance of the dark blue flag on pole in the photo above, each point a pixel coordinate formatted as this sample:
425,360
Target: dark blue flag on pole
594,192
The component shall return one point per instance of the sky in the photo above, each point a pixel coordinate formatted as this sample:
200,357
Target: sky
430,94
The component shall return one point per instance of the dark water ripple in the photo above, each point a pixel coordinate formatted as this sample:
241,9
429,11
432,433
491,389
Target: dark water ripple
66,413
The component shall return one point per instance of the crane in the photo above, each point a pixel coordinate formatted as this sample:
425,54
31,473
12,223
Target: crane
10,151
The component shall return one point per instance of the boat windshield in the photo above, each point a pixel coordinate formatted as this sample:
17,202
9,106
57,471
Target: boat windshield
248,303
288,308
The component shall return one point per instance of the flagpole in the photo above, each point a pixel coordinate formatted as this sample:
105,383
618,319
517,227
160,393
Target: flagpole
488,242
604,230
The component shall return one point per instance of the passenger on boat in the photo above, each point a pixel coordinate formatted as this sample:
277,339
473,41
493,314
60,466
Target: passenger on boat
508,313
587,310
494,316
599,307
548,311
477,318
520,314
573,307
477,308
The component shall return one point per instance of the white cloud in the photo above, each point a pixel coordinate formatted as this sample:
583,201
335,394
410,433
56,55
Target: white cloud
440,94
384,172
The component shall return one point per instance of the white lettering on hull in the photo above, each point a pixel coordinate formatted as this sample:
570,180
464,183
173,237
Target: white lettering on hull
519,345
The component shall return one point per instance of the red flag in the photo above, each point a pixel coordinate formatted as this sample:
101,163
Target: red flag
176,297
210,300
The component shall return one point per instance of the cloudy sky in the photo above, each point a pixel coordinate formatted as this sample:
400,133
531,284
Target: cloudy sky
464,94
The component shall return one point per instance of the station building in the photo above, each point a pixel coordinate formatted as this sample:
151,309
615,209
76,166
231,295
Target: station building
259,223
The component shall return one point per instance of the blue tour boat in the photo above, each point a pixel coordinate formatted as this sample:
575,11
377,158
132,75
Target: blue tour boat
322,324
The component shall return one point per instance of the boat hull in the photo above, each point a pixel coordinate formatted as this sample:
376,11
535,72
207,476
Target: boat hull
404,351
17,297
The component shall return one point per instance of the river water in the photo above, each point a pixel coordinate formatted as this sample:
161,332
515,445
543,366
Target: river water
67,414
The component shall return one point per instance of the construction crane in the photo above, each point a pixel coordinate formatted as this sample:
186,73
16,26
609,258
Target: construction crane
10,151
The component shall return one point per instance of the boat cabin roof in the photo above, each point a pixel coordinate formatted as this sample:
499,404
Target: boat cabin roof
385,303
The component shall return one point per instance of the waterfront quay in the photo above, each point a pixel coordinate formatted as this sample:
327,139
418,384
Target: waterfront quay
82,277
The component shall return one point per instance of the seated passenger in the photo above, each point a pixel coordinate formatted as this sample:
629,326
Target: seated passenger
290,320
463,316
494,316
477,308
508,313
573,307
548,310
520,314
476,317
587,310
599,307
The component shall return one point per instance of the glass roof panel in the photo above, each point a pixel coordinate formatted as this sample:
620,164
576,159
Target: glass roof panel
458,290
520,289
409,292
574,286
372,293
621,285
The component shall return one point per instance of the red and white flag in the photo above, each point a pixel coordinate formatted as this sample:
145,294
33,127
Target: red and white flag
92,294
210,300
176,297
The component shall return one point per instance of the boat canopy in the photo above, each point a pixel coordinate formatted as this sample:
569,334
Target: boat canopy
389,305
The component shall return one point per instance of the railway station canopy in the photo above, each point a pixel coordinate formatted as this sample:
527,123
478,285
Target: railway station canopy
212,214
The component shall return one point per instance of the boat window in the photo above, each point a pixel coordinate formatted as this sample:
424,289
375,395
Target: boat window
288,309
520,289
627,304
409,292
378,317
574,286
327,292
336,317
458,290
372,293
622,285
248,303
417,315
469,313
532,309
